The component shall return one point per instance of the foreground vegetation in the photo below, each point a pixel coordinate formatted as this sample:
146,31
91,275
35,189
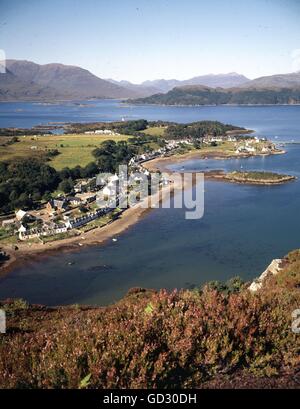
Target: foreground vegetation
217,335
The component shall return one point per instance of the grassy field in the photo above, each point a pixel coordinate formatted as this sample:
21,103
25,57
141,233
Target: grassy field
155,131
75,149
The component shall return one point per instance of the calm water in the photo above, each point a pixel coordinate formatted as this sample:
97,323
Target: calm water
244,227
280,121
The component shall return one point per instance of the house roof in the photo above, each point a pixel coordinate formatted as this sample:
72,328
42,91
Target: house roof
20,214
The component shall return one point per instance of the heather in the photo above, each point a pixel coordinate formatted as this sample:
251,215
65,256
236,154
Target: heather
157,339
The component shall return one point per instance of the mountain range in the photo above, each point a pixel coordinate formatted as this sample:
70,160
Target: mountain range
211,80
26,80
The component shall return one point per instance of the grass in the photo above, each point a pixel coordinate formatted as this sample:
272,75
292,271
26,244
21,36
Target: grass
74,149
155,131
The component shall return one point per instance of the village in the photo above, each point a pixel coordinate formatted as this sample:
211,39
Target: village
75,213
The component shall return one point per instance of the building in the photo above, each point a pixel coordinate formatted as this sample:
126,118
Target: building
81,221
46,230
57,205
20,215
88,197
74,201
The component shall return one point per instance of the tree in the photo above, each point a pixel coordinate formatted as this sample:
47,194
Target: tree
66,185
90,170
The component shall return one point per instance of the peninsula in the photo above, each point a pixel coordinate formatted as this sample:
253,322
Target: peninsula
57,175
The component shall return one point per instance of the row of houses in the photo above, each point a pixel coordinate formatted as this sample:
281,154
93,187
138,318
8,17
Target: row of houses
102,132
57,228
37,232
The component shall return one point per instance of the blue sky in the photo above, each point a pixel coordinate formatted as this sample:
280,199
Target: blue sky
147,39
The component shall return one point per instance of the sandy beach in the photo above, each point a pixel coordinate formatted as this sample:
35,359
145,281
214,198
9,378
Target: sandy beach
29,251
162,164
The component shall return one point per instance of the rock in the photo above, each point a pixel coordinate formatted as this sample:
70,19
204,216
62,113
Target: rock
273,269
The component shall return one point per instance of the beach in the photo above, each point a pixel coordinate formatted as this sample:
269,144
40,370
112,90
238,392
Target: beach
28,251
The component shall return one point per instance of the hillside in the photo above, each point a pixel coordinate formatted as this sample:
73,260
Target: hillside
221,335
14,88
218,80
275,81
139,89
200,95
211,80
32,81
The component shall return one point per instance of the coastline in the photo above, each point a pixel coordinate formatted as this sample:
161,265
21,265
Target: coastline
161,164
129,217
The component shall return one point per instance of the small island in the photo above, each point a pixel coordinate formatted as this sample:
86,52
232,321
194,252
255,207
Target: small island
252,177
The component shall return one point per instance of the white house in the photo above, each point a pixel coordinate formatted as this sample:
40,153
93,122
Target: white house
20,214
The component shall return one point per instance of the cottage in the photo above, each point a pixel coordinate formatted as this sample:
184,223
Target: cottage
87,197
20,215
81,221
58,205
74,201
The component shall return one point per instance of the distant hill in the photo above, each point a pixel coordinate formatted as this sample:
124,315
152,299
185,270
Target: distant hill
218,80
140,89
26,80
211,80
162,85
200,95
275,81
55,81
14,88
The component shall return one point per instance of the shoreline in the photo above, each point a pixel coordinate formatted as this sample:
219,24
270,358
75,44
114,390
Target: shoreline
129,217
161,164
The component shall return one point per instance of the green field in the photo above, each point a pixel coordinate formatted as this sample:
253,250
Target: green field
75,149
155,131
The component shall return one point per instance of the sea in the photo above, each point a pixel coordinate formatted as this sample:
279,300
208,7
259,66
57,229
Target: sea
243,228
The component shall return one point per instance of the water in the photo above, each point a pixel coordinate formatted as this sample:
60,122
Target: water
271,121
243,228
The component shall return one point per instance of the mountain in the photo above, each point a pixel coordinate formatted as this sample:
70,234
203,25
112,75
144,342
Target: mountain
162,85
26,80
291,80
200,95
139,89
55,81
211,80
14,88
230,80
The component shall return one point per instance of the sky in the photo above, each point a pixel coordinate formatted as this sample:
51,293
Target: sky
137,40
